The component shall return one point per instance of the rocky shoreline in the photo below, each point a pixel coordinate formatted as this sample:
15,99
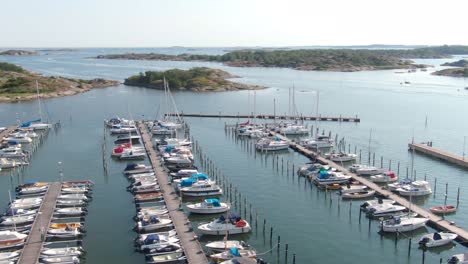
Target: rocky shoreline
18,53
454,72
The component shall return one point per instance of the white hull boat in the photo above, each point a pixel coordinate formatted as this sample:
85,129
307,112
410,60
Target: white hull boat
343,157
10,239
62,259
386,177
384,209
153,224
220,246
458,259
209,206
358,195
68,251
437,239
221,226
403,224
416,188
64,232
4,256
70,211
81,197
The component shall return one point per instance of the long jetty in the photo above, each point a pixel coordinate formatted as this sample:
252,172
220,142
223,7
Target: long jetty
33,247
427,149
191,246
270,116
434,220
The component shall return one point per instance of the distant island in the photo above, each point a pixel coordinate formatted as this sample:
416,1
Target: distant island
459,63
18,84
312,59
454,72
199,79
18,53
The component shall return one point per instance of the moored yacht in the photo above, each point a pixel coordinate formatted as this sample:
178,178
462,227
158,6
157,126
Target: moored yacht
222,226
403,224
266,144
208,206
416,188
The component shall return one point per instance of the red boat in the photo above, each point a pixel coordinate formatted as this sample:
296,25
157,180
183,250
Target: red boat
444,209
120,149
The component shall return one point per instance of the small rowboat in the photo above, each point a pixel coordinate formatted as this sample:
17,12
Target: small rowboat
334,186
444,209
148,196
358,195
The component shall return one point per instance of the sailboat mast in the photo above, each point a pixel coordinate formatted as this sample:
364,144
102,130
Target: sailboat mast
12,212
38,100
254,107
289,101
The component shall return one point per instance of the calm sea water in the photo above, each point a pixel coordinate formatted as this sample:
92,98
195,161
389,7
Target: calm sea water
316,230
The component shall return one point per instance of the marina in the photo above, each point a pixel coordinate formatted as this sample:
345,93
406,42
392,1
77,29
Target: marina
276,117
188,239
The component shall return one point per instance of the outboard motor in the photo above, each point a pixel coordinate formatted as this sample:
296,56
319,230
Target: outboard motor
453,260
424,241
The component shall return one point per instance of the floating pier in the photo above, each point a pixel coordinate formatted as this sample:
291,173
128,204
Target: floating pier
269,116
188,240
434,220
427,149
33,247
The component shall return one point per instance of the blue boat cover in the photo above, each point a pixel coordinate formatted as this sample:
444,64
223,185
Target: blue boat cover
235,252
154,219
213,201
13,142
232,216
277,139
199,176
187,182
324,175
131,166
169,148
27,124
151,239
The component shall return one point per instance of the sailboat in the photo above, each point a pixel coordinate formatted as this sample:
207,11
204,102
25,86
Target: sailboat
167,125
37,124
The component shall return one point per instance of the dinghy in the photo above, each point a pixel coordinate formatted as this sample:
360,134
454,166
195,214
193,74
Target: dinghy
437,239
152,223
444,209
358,195
10,239
62,259
144,197
65,225
67,232
220,246
233,253
72,211
176,257
68,251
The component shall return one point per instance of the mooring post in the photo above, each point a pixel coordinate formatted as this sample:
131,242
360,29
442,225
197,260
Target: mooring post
390,165
409,247
398,169
458,196
435,186
294,258
381,161
286,253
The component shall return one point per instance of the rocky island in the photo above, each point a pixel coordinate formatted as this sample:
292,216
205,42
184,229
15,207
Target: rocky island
18,84
454,72
199,79
18,53
459,63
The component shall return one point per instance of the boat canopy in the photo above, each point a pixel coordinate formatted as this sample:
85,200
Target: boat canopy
213,201
235,252
151,239
391,174
324,175
13,142
200,176
187,182
28,124
235,217
131,166
169,148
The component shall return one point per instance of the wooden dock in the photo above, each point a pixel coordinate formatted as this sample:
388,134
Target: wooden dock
269,116
188,240
33,247
428,150
434,220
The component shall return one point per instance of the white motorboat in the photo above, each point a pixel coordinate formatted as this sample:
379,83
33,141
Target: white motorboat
11,152
122,139
326,177
240,260
76,196
134,168
342,157
266,144
18,220
10,239
33,190
294,130
161,130
148,213
358,194
458,259
175,257
209,206
7,163
437,239
131,154
4,256
200,188
384,209
67,232
122,129
19,138
18,212
395,186
72,211
416,188
222,226
152,224
220,246
153,241
317,143
370,203
71,190
233,253
403,224
142,237
353,188
386,177
311,170
24,133
364,170
68,251
117,152
71,203
61,259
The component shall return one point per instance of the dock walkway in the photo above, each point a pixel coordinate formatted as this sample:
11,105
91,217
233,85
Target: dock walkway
434,220
439,154
32,250
191,246
269,116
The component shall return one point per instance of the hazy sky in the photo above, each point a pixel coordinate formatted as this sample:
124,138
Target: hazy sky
154,23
